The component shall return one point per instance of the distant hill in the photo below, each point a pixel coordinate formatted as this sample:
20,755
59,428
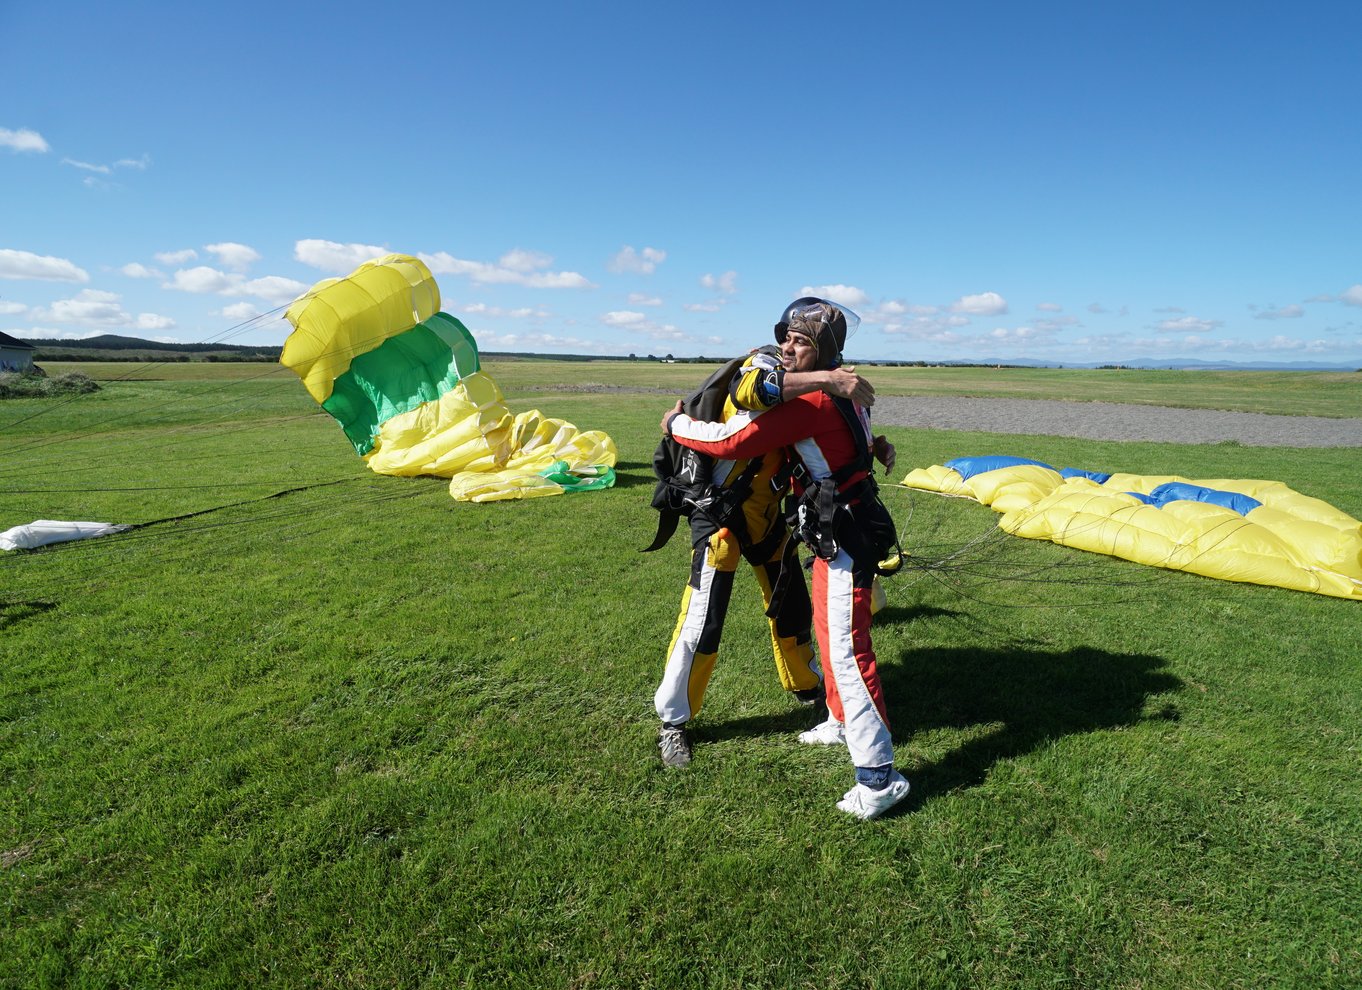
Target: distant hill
112,347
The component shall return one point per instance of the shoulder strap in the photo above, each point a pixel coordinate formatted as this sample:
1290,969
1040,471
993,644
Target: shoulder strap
682,474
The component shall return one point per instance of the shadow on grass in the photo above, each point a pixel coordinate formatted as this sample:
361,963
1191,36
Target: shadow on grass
12,613
633,474
894,614
1033,696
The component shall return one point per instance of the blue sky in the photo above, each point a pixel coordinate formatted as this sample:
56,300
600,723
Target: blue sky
1059,182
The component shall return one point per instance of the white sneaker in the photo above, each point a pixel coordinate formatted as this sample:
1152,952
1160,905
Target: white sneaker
866,804
829,733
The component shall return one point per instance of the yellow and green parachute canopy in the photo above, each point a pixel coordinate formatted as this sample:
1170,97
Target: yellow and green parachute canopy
403,380
1260,532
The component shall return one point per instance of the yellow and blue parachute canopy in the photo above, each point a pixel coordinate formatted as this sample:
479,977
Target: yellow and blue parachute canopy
404,381
1260,532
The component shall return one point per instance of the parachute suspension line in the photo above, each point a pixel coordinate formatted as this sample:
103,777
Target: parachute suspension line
93,431
240,328
117,545
982,557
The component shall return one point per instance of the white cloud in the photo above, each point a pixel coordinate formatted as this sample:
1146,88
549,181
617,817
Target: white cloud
1188,324
237,257
177,257
97,308
136,270
1057,323
520,260
1123,345
982,304
101,169
709,307
934,328
1096,308
1049,307
640,325
1284,313
643,299
725,284
1353,296
12,308
330,256
22,140
667,332
203,280
141,164
847,295
241,311
51,333
40,267
89,307
525,271
151,321
273,288
540,342
1021,335
497,312
643,262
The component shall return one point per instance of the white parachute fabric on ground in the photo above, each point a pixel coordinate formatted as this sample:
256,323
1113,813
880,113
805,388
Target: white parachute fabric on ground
41,532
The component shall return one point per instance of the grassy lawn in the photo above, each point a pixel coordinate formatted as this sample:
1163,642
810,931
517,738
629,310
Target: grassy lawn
321,728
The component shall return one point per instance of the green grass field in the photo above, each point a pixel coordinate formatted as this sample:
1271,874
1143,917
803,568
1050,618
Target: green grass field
322,728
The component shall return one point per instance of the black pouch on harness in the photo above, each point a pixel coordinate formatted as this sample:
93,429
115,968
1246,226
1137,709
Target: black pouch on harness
856,521
867,531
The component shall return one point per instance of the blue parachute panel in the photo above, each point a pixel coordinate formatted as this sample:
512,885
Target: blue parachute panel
968,467
1179,491
1100,477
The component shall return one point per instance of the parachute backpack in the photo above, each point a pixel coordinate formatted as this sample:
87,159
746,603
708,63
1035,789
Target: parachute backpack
685,478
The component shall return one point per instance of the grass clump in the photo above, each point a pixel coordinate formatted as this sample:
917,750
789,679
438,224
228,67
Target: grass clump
14,385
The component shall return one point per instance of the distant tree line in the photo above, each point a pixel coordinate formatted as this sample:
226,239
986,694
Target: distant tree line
157,357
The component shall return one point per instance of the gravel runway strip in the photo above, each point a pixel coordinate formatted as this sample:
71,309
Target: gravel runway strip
1114,421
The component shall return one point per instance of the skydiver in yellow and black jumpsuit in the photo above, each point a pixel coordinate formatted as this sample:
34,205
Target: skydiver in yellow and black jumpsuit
716,551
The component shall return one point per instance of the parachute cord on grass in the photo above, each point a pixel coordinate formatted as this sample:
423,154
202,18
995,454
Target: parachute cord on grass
274,369
240,328
99,553
967,560
39,442
189,433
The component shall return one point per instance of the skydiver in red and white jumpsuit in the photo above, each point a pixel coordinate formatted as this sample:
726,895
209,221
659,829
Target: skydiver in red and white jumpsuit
760,384
814,432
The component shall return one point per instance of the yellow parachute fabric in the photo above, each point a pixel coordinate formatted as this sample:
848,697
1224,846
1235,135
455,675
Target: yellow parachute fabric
404,381
1260,532
340,318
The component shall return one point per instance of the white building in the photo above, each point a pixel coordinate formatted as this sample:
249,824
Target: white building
15,355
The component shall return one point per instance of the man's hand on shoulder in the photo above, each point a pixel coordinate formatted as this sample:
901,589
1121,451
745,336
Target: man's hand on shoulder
668,416
844,383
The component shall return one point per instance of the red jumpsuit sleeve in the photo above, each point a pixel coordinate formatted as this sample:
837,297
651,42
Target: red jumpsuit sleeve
745,435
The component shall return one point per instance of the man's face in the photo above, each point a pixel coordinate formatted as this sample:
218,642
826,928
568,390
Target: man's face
798,352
